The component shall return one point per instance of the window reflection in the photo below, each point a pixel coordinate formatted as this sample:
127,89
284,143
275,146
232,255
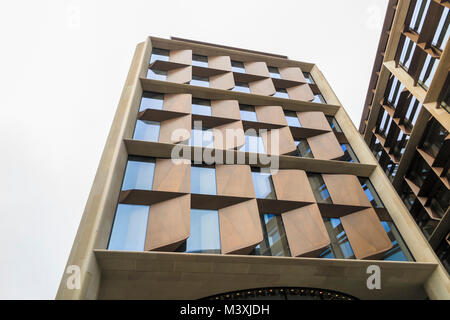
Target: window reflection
349,154
203,180
129,228
442,31
253,143
146,130
309,78
303,149
199,81
292,119
371,193
247,113
319,188
200,61
241,87
203,137
156,74
274,242
205,234
318,98
281,93
274,73
139,173
237,66
159,54
263,184
151,100
340,247
201,107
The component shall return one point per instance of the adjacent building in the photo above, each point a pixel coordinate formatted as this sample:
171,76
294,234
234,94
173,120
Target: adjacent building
406,117
235,174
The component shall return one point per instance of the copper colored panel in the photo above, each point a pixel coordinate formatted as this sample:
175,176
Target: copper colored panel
284,144
325,146
225,109
257,68
346,189
229,136
234,180
263,87
177,102
305,231
292,185
366,234
271,114
172,176
224,81
220,62
175,130
240,228
146,197
214,202
180,75
314,119
181,56
292,73
301,92
168,224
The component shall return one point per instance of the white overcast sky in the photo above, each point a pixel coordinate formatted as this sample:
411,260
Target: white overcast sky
62,68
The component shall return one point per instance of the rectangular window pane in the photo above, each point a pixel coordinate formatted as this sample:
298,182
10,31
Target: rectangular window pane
201,138
248,113
262,182
303,148
339,242
205,233
129,228
253,143
199,81
292,119
419,14
371,193
407,53
241,87
319,188
399,250
201,107
349,154
309,78
319,98
139,173
442,31
146,130
281,93
274,242
151,100
159,54
428,71
203,180
156,74
334,124
200,61
237,66
274,73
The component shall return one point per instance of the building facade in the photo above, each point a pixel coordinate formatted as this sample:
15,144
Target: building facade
231,173
406,117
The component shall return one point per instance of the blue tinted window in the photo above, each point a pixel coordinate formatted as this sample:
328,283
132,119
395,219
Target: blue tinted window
201,138
340,246
200,81
205,234
419,14
200,61
442,31
253,143
241,87
407,53
399,251
319,98
292,119
203,180
201,107
371,193
130,227
303,149
428,70
262,182
274,242
274,73
139,174
248,113
156,74
349,154
281,93
237,66
308,77
159,54
151,100
319,188
146,130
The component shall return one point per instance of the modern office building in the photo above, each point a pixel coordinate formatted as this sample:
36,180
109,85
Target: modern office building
406,117
235,174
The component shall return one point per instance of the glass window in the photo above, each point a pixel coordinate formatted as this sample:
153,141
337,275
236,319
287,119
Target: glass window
159,54
394,92
253,143
263,184
428,70
419,14
434,138
199,61
418,170
201,107
371,193
129,228
407,195
241,87
376,147
442,31
203,180
440,200
281,93
292,119
199,81
340,246
205,232
274,242
334,124
146,130
274,73
151,100
309,78
407,53
203,137
412,112
399,250
303,149
319,188
349,154
139,173
248,113
318,98
156,74
237,66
